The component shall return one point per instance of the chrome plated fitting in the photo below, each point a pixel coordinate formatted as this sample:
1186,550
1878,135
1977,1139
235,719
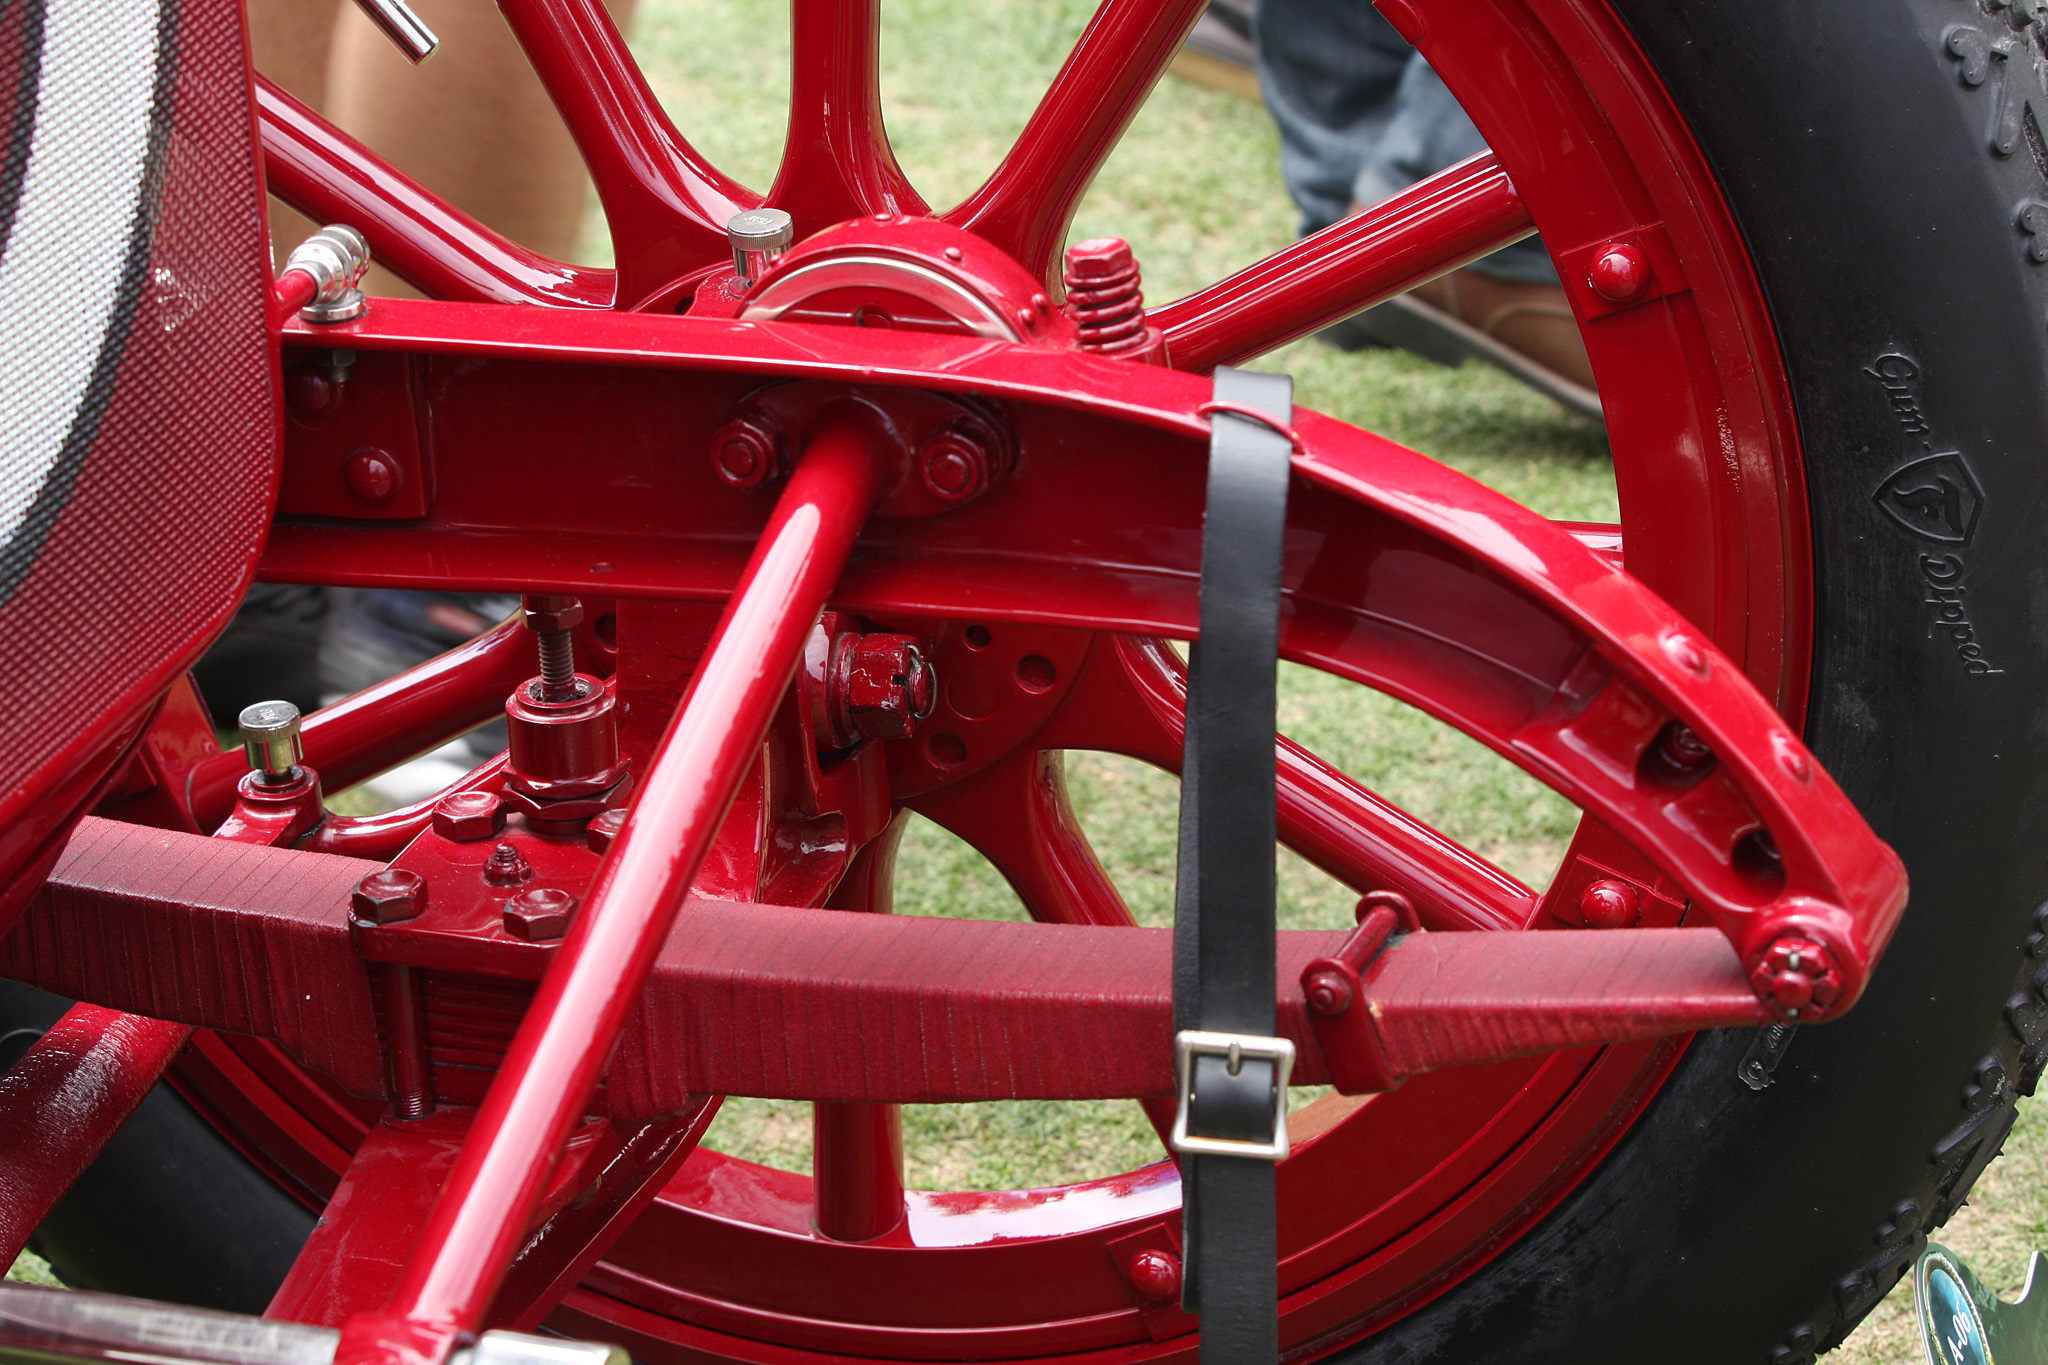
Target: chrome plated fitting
334,258
758,236
270,737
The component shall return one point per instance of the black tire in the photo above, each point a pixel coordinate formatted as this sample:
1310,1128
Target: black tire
169,1211
1735,1225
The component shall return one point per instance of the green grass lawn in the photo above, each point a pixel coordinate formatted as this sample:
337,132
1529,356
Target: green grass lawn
1195,188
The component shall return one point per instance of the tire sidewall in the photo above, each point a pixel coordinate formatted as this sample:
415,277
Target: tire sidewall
1740,1224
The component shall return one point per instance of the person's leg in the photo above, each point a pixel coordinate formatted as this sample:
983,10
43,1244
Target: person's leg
1330,73
1512,295
1430,132
291,41
473,124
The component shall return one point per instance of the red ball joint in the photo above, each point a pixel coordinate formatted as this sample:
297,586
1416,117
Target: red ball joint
1797,978
1104,299
1620,273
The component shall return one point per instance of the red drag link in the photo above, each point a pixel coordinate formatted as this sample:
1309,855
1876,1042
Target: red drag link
575,1020
383,725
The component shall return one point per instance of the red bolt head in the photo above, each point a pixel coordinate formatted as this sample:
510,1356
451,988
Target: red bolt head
389,896
1156,1275
466,817
746,452
507,867
599,833
310,391
1620,274
1795,974
1328,992
883,685
539,914
372,475
953,465
1610,904
1098,257
1677,755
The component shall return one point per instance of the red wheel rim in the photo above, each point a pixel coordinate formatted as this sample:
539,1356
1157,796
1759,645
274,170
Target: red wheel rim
1386,1202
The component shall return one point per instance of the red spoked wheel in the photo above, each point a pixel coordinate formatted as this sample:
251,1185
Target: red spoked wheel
1035,510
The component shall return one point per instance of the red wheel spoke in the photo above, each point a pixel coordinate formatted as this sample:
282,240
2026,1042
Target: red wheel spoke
857,1149
1131,700
666,204
331,178
836,163
1018,816
1026,204
1455,216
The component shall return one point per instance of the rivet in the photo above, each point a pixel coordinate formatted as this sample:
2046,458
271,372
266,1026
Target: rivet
1620,274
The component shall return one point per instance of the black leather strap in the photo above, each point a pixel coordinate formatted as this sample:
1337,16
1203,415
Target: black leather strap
1223,912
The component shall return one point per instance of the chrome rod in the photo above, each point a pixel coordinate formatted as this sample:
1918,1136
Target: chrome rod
42,1325
404,28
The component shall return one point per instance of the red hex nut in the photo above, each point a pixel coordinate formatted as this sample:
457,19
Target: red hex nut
539,914
466,817
953,465
389,896
881,686
599,833
746,452
550,615
507,867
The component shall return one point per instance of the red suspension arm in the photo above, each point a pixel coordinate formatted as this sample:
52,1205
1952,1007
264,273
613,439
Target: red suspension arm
553,1066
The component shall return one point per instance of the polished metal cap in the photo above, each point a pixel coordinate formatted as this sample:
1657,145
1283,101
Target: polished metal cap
758,236
335,257
270,737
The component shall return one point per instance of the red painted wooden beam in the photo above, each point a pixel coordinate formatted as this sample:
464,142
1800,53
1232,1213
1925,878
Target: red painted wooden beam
778,1001
239,937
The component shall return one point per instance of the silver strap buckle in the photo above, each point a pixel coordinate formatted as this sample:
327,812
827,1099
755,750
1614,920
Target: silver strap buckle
1233,1049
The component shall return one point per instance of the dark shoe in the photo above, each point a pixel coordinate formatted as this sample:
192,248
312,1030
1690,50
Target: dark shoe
1526,330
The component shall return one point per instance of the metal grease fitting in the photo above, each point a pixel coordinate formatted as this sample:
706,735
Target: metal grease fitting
758,236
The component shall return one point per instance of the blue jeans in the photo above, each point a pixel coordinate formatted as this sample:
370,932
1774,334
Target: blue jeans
1362,116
